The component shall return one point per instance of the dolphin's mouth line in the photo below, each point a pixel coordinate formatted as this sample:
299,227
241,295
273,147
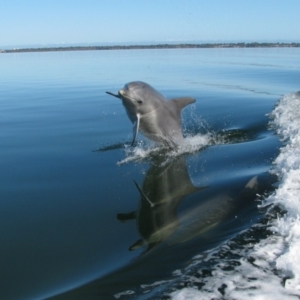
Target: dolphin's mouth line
123,96
134,100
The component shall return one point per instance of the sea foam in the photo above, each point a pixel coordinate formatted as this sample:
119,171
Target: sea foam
286,118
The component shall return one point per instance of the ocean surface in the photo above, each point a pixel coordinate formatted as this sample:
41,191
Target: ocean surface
75,223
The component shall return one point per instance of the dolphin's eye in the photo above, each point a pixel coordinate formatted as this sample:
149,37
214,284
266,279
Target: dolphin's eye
139,101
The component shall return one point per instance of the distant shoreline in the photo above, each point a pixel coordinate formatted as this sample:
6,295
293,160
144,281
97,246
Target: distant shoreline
155,46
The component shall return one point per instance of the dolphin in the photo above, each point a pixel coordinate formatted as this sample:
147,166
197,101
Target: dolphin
151,113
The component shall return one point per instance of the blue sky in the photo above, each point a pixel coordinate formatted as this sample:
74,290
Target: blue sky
45,22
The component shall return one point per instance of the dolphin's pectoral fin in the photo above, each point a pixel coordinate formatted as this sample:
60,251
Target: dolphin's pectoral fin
115,95
136,126
182,102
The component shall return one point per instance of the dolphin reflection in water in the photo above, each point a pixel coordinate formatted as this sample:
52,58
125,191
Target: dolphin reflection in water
163,189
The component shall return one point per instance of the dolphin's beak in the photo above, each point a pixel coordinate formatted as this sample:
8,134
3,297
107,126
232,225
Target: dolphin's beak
115,95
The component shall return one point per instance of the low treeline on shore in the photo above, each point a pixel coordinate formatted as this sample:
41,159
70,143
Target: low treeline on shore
156,46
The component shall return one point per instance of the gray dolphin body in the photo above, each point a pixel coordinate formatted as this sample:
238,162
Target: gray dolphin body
151,113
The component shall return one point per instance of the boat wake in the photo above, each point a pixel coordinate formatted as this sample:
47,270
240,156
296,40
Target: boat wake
267,268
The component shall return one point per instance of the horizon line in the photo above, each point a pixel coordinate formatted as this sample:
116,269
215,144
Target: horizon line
173,45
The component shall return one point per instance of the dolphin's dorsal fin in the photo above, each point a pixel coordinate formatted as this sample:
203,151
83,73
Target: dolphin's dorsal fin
252,183
182,102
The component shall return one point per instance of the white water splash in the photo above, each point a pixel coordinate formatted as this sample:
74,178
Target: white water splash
147,150
287,166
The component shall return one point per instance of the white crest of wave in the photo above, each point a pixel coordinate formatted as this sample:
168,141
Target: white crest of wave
286,118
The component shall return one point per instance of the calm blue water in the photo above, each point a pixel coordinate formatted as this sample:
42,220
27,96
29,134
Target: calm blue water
69,208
